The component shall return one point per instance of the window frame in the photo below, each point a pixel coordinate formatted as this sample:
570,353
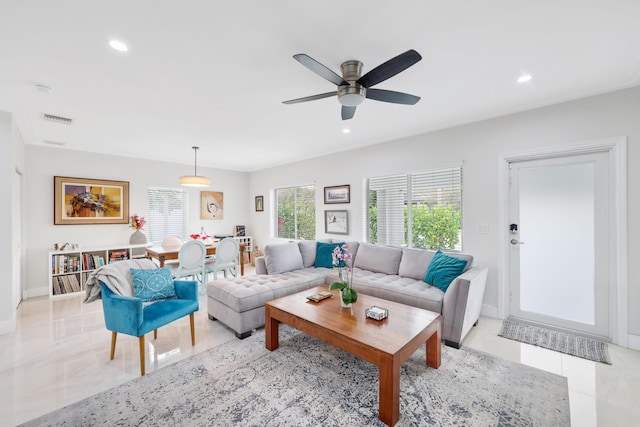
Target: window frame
169,227
401,190
296,212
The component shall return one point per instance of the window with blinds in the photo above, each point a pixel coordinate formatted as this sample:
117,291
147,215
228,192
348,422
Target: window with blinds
296,212
167,213
419,210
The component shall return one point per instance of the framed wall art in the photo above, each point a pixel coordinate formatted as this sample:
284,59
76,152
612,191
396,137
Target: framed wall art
337,194
259,203
211,205
336,222
89,201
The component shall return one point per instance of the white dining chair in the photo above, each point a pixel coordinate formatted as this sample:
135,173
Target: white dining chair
225,259
191,261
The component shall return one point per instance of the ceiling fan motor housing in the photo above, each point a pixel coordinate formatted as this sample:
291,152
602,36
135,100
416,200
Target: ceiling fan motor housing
352,94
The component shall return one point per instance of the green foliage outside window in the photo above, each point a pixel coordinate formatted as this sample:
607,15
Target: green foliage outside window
436,228
296,213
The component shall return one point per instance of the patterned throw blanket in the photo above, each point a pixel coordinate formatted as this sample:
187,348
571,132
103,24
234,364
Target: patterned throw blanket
116,276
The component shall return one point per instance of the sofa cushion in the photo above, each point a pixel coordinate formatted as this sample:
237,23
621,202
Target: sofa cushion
324,254
308,252
414,263
443,269
282,257
153,285
380,259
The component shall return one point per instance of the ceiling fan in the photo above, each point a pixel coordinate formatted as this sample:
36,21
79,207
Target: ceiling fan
354,88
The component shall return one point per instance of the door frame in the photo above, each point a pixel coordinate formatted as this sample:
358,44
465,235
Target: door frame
618,291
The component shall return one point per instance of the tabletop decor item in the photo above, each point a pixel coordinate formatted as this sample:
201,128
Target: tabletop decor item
377,313
342,260
137,222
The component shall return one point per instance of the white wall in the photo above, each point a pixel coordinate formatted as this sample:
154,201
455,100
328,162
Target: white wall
43,163
478,145
11,159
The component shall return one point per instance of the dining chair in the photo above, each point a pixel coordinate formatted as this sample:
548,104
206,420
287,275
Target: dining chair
191,263
226,258
172,242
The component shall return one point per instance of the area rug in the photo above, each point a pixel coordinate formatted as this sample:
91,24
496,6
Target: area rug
562,342
309,383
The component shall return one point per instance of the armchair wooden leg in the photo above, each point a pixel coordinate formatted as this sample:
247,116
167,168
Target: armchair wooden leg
113,344
142,356
155,334
193,333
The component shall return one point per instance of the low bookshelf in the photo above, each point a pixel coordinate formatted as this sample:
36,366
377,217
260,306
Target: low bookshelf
69,269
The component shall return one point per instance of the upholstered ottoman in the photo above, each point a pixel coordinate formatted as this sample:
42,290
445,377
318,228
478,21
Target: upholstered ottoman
239,302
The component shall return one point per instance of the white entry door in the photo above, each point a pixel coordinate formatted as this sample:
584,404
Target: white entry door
559,242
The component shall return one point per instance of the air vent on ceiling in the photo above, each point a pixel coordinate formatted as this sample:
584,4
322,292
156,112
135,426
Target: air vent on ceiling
58,119
58,143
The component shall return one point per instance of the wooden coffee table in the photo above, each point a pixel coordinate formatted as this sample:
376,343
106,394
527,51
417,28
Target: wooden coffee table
386,343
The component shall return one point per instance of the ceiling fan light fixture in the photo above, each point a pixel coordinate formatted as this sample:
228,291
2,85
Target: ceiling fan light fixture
351,95
195,180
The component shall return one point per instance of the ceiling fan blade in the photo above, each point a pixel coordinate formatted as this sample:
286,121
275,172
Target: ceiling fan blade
390,68
311,98
392,96
348,112
319,69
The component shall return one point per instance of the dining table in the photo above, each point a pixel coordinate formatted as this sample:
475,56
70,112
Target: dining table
162,253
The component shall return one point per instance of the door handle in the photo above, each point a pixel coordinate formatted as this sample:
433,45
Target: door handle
515,242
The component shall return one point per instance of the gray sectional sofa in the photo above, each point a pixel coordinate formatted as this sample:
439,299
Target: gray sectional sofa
391,273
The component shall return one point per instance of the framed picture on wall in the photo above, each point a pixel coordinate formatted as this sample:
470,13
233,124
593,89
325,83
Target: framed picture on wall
336,222
211,205
337,194
259,203
89,201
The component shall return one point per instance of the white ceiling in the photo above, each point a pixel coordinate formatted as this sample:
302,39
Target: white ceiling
214,74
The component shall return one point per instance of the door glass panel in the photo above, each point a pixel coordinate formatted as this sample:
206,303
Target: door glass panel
557,228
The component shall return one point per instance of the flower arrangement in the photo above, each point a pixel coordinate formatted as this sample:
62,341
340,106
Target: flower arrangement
196,236
343,260
137,222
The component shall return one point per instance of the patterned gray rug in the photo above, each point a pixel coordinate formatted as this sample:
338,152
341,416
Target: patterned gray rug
309,383
562,342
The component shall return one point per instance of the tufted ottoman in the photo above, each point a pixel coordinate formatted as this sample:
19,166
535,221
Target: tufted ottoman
239,302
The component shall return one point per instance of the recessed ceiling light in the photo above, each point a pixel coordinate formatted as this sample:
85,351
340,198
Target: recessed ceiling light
346,130
119,46
524,78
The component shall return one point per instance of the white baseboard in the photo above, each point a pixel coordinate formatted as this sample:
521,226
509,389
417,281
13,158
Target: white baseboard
37,292
489,311
633,341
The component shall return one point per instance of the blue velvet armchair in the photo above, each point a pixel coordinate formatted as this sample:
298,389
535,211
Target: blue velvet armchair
129,316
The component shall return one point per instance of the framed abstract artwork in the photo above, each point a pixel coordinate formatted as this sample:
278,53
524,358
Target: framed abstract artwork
337,194
336,222
89,201
211,205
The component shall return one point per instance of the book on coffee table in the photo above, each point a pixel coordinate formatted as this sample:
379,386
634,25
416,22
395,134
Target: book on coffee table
320,296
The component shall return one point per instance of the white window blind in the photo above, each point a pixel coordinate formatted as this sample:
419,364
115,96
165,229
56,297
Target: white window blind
296,212
434,220
167,214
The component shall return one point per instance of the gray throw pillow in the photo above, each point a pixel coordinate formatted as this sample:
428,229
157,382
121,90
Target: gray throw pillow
282,257
379,259
308,252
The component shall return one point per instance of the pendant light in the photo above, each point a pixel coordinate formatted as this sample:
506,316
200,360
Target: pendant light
195,180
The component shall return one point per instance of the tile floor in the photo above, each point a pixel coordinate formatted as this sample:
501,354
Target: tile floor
59,354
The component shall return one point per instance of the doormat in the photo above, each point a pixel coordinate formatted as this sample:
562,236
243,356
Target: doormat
563,342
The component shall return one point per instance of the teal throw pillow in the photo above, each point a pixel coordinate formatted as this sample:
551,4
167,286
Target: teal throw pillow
324,253
443,269
153,285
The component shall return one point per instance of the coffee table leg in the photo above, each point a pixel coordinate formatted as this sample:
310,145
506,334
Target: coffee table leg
389,394
270,330
434,350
